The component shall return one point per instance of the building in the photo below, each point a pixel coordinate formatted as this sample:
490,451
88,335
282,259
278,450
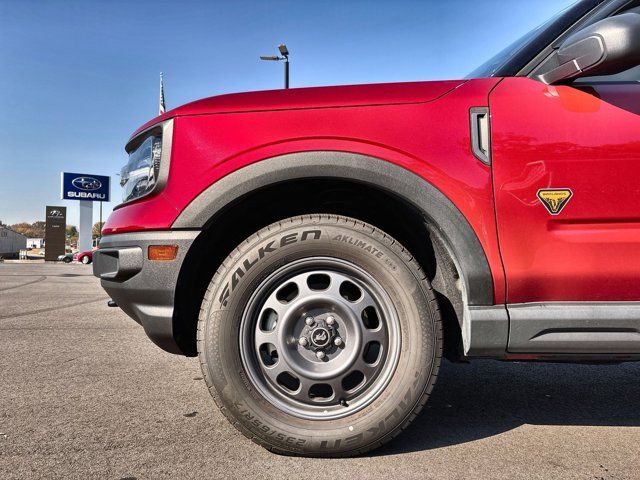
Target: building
35,242
11,242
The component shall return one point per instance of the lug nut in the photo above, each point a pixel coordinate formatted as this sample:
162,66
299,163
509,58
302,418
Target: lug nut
308,321
302,341
320,354
337,341
330,320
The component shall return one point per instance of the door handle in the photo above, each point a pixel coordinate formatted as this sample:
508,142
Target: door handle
480,138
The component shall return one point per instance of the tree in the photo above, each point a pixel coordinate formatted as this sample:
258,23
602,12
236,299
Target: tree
72,236
38,229
97,227
22,228
31,230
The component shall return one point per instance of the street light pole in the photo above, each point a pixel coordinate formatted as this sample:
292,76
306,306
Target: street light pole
285,56
286,73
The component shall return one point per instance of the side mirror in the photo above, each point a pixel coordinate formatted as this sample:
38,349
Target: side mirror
606,47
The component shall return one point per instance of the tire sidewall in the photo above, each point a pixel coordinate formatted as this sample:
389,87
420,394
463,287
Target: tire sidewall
275,247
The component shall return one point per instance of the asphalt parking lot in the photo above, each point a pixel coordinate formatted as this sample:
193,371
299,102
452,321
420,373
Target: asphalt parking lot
84,394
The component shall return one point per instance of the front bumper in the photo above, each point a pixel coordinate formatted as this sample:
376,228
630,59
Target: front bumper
144,289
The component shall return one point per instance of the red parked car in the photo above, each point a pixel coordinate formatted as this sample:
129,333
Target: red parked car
83,257
320,249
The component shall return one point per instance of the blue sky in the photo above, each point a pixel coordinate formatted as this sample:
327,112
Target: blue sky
79,76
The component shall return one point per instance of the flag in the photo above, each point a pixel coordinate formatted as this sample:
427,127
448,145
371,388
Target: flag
161,109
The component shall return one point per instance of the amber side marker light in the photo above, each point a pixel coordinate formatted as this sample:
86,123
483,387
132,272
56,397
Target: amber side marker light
162,252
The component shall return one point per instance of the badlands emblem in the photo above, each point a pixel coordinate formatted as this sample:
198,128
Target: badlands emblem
320,337
554,199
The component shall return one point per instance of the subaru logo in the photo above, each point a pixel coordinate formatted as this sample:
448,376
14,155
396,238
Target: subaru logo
86,183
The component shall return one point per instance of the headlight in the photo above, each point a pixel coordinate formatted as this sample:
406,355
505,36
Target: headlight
148,156
139,175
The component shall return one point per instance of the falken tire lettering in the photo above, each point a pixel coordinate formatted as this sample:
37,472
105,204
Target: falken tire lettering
359,243
284,438
272,246
373,432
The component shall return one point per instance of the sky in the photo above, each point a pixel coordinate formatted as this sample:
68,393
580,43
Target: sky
78,77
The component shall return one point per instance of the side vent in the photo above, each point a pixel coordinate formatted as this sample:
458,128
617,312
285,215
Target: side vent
480,138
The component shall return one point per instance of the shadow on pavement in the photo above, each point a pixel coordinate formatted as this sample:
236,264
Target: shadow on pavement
485,398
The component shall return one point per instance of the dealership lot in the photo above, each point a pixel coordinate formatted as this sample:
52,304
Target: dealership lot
84,394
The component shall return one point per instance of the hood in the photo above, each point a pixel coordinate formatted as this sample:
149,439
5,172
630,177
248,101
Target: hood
315,97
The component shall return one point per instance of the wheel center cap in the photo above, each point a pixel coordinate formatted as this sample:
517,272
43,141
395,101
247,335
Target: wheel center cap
320,337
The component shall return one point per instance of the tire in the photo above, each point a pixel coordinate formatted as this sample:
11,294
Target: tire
86,260
284,283
66,260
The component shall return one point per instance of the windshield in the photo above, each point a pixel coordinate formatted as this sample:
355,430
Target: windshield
489,68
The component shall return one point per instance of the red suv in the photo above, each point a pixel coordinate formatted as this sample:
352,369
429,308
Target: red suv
320,249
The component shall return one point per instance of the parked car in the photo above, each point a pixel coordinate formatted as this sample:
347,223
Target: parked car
85,257
66,258
320,249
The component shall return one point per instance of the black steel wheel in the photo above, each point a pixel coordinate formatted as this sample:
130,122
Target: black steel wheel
320,338
320,335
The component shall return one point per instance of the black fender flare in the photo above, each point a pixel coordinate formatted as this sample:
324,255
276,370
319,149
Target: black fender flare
448,222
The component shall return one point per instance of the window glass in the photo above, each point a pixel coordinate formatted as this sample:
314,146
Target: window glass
631,75
488,68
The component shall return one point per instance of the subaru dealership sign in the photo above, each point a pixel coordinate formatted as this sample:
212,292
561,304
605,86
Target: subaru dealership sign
80,186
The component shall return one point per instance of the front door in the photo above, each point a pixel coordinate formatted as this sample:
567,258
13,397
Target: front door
566,175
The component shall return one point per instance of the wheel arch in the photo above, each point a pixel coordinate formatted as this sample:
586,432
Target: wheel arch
224,206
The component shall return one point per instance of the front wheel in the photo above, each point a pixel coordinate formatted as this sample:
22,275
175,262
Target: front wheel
86,260
320,335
